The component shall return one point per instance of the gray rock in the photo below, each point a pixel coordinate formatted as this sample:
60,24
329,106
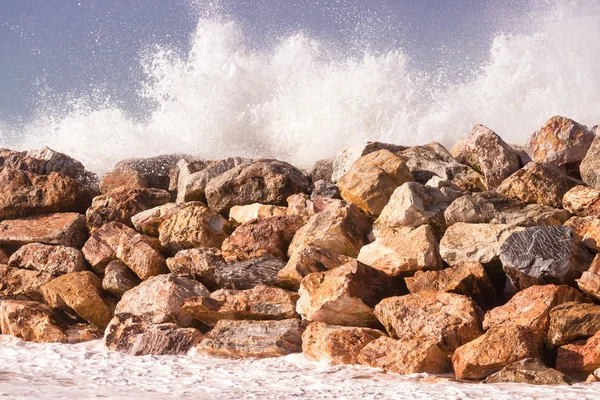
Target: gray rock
247,274
322,170
531,371
199,264
326,189
118,278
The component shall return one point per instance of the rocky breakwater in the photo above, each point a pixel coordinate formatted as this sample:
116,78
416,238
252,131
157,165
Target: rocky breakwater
481,261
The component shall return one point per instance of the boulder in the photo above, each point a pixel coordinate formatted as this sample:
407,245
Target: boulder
56,260
122,204
259,339
22,284
241,214
270,236
140,173
583,201
160,299
403,252
259,303
101,247
336,344
531,371
118,278
572,321
587,231
371,180
543,255
538,182
405,356
498,347
468,279
147,222
590,279
66,229
589,167
344,296
141,254
325,189
306,260
263,181
306,206
579,359
3,257
340,228
193,226
82,293
199,264
247,274
344,160
449,320
132,335
30,321
322,170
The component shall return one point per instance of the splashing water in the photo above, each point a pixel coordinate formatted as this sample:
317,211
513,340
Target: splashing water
304,99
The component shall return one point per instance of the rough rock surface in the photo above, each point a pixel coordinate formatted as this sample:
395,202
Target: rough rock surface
199,264
101,247
573,321
247,274
139,173
589,168
141,254
322,170
531,371
147,222
583,201
30,321
260,339
306,206
344,160
344,296
497,348
66,229
118,278
241,214
581,358
587,231
56,260
325,189
336,344
3,257
590,279
22,284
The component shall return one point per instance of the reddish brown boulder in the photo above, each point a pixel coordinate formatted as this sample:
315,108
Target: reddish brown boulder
199,264
55,260
583,201
581,358
101,247
141,254
139,173
66,229
118,278
573,321
22,284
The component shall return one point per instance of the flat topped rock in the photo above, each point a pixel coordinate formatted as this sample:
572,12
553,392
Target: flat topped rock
66,229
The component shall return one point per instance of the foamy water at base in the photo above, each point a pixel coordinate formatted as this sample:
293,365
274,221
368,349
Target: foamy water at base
84,371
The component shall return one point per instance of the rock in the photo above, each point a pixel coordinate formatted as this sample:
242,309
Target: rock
583,201
132,335
344,160
590,279
493,208
531,371
101,247
344,296
413,205
269,236
487,153
340,228
531,307
241,214
141,254
474,242
199,264
56,260
259,303
336,344
450,320
118,278
147,222
303,205
247,274
82,293
573,321
325,189
322,170
543,255
160,299
497,348
3,257
579,359
22,284
194,177
306,260
371,180
405,356
468,279
593,377
538,182
560,141
30,321
403,252
122,204
25,194
263,181
589,165
260,339
67,229
587,231
193,226
140,173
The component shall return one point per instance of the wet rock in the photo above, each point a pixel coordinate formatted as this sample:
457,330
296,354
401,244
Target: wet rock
22,284
531,371
468,279
371,180
260,339
498,347
305,206
306,260
336,344
269,236
450,320
122,204
259,303
66,229
589,166
344,296
30,321
199,264
147,222
263,181
247,274
322,170
583,201
56,260
101,247
193,226
403,252
573,321
543,255
344,160
325,189
340,228
141,254
118,278
405,356
160,299
581,358
587,231
140,173
132,335
82,293
241,214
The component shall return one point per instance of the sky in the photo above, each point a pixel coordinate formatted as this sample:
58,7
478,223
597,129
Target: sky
51,48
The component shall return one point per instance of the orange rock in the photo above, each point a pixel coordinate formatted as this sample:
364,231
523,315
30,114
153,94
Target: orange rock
141,254
586,230
66,229
581,358
101,247
30,321
583,201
